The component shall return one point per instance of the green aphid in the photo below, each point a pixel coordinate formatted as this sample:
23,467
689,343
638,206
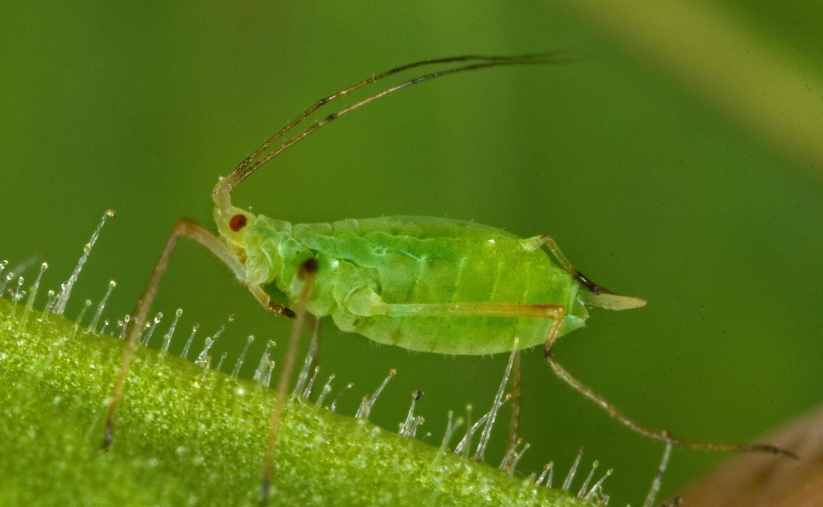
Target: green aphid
421,283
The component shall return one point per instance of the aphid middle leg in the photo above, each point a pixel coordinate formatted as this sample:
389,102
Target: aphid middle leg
662,435
307,271
514,421
184,228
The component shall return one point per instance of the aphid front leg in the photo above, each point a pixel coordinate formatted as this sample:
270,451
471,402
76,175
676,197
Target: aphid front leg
184,228
267,303
278,308
662,435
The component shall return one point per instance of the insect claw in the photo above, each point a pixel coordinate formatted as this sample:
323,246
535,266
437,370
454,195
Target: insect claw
265,492
279,309
776,450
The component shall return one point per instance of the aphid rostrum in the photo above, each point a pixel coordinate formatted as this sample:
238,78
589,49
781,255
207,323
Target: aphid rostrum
423,283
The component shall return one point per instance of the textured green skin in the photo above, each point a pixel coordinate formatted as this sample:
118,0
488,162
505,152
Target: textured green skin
410,260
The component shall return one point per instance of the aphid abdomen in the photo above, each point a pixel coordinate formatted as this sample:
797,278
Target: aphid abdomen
412,260
487,273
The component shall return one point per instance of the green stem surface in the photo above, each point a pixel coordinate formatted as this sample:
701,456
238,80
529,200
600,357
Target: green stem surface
186,436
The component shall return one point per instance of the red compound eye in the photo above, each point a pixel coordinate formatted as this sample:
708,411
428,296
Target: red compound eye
237,222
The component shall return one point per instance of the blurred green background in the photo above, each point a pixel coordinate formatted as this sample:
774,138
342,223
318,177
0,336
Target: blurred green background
649,188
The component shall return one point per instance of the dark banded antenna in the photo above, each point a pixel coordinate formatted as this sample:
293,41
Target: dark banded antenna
261,155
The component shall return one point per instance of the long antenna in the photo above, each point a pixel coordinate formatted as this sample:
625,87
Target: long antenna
260,156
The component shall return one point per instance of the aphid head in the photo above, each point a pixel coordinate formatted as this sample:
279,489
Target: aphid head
233,224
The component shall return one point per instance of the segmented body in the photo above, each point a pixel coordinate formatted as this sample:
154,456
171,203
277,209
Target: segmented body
408,260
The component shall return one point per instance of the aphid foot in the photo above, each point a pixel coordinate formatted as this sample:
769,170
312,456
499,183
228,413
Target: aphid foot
108,438
265,491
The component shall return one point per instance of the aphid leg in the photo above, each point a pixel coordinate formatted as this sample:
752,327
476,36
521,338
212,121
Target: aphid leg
307,271
662,435
514,421
267,303
184,228
511,310
280,309
505,310
538,241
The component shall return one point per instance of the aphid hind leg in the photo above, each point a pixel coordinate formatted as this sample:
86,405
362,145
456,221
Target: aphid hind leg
538,241
506,310
662,435
184,228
